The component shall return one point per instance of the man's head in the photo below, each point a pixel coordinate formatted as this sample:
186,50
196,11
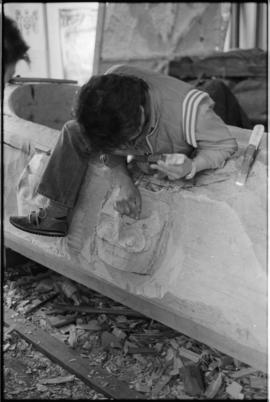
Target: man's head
110,109
14,48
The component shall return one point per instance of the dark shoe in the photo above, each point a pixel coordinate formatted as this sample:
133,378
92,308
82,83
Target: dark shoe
38,222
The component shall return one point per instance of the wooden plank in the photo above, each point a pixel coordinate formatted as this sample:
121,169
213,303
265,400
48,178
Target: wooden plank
188,354
148,307
242,373
97,378
41,303
92,310
42,80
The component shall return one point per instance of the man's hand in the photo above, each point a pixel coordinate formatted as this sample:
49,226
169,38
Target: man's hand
175,166
129,198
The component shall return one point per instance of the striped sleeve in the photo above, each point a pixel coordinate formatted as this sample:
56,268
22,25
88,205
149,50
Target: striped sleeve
190,111
114,69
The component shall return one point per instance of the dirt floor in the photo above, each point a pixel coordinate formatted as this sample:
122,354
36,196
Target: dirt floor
149,357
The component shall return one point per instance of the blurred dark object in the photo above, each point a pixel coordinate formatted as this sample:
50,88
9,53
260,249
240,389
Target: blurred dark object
226,104
240,74
12,258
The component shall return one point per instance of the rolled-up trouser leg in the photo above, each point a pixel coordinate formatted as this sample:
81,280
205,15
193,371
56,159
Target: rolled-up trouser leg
64,173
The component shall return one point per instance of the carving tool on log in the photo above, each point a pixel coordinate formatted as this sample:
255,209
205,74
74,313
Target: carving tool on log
148,158
173,159
250,154
138,157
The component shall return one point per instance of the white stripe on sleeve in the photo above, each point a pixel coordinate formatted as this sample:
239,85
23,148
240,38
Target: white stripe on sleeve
185,107
190,110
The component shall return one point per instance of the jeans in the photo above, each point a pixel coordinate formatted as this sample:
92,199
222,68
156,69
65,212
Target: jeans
65,171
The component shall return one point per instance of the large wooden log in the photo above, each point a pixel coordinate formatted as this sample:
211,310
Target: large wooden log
197,258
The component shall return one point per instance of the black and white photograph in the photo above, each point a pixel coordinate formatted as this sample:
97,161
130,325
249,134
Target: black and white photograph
134,225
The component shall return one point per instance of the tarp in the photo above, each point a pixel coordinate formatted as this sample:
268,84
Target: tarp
150,34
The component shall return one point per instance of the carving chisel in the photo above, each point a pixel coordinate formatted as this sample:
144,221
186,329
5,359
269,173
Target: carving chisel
148,158
172,159
175,159
249,154
151,158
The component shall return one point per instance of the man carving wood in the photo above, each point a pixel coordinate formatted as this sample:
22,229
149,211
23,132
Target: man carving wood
129,111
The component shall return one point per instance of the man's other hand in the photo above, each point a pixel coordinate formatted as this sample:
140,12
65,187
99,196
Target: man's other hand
175,166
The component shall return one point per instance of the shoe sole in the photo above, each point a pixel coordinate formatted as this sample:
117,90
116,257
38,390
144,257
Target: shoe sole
40,233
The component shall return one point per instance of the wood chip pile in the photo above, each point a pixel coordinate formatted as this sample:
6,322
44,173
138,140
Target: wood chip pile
151,358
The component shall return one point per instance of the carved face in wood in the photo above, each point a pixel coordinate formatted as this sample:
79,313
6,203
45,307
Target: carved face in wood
128,244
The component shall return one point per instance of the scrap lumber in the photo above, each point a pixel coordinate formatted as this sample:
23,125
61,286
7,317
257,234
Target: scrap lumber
141,351
42,303
244,372
64,321
97,378
234,390
214,387
39,277
193,380
188,354
92,310
57,380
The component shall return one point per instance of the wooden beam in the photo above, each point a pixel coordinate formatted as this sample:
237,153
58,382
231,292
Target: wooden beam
42,80
96,377
92,310
233,322
148,307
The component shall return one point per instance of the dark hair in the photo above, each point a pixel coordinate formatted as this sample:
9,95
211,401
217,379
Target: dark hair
14,48
108,109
